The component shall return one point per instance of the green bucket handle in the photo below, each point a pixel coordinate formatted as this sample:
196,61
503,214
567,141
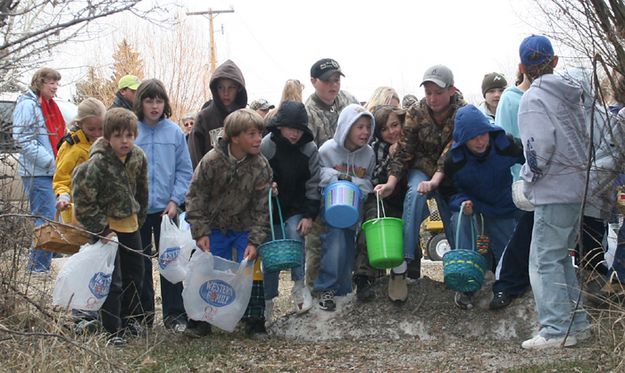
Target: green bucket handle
273,233
473,228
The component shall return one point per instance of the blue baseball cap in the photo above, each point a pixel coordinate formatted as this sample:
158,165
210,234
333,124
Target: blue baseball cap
535,50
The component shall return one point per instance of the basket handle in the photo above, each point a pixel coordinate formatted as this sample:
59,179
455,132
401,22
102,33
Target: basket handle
473,228
273,233
379,203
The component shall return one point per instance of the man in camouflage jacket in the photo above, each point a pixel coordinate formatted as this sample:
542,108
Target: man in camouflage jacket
425,140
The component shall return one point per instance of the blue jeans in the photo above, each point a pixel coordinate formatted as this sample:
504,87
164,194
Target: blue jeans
338,252
551,270
272,278
416,210
42,203
618,265
512,277
498,229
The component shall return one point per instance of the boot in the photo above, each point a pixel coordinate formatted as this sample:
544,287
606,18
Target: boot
364,292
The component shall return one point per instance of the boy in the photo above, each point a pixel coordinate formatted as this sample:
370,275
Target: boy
227,204
227,87
111,197
553,133
346,156
294,160
477,169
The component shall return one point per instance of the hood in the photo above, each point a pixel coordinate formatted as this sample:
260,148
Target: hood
101,146
563,87
291,114
470,122
349,115
231,71
27,95
583,78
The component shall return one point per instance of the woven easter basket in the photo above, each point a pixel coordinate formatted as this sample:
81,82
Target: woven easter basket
59,238
277,255
464,269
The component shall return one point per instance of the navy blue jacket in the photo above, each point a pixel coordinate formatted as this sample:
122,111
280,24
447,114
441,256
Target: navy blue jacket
485,178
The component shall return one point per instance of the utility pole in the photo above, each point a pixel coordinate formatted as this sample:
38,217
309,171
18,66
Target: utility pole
211,16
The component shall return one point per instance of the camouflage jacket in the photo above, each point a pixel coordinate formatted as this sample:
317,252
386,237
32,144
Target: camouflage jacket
322,118
424,143
105,187
227,194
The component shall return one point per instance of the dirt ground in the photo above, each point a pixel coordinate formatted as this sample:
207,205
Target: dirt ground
426,334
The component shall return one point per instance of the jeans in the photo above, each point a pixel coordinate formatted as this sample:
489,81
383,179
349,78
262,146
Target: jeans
512,276
416,210
171,294
338,250
297,273
551,270
618,266
42,203
123,301
498,229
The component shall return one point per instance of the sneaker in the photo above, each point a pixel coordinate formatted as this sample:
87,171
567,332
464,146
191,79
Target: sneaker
302,299
269,311
364,292
500,300
176,324
85,327
540,342
116,341
398,288
463,300
197,329
326,302
135,329
414,269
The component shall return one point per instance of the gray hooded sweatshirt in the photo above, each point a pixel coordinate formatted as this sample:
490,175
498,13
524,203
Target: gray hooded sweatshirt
335,159
555,141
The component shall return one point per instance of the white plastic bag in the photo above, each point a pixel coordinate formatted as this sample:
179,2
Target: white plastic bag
217,290
85,279
173,252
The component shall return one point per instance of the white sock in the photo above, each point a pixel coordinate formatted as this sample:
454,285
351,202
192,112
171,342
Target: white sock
403,267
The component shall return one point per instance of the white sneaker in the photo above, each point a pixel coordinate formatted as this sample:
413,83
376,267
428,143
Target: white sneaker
302,299
540,342
269,311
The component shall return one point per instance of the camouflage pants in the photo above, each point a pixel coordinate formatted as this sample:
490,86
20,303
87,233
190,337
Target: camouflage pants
313,252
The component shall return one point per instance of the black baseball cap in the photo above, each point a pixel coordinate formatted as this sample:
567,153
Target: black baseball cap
324,68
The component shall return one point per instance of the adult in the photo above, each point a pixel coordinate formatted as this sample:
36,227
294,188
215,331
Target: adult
323,107
424,143
552,129
38,126
126,90
186,124
227,87
493,86
261,106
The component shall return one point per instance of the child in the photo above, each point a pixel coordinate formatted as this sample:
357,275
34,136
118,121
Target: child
74,150
389,121
478,169
294,159
169,174
227,87
346,156
111,196
227,204
555,141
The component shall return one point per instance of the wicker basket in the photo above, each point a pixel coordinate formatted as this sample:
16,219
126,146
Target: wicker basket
59,238
277,255
464,269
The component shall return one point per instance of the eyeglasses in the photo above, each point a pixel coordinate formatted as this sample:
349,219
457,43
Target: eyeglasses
188,124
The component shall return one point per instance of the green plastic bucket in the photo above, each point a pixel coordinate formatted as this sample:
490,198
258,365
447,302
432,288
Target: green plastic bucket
385,242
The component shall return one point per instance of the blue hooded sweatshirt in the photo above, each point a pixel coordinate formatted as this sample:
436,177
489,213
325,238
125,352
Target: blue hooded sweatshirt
485,178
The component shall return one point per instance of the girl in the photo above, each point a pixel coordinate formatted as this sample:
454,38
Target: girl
74,150
169,175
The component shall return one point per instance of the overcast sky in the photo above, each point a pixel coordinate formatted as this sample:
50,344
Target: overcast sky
377,43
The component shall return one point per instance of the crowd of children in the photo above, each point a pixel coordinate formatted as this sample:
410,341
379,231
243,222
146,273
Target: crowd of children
144,167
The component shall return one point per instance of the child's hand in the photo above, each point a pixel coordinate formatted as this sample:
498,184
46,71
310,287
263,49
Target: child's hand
108,237
304,226
204,244
467,207
62,205
250,252
426,187
384,190
171,210
274,189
